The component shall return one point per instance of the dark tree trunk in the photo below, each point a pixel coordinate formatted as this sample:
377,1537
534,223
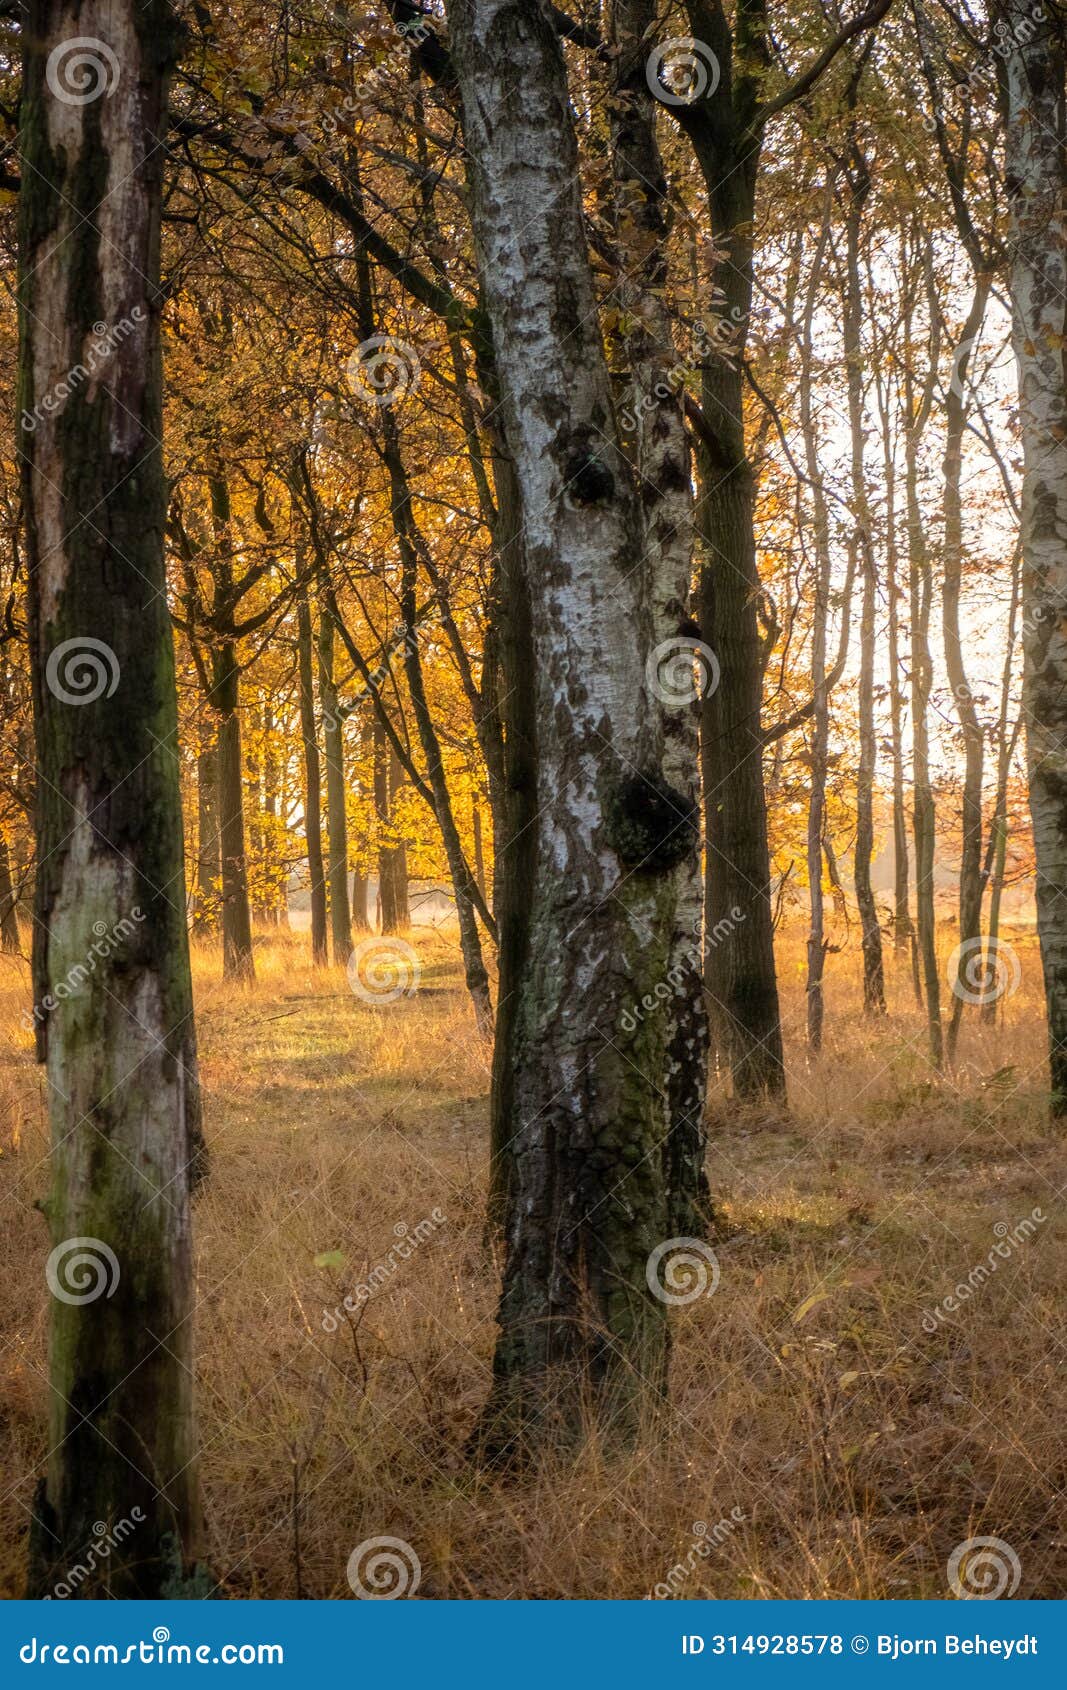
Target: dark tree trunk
394,912
9,919
312,783
740,968
114,1013
208,850
336,817
237,963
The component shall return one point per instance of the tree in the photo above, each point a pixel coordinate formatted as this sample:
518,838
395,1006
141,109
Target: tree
1033,95
587,1192
114,1015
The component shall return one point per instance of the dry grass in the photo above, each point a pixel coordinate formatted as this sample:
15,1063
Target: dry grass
856,1449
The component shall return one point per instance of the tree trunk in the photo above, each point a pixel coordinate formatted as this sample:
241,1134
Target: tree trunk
660,450
237,963
740,968
970,927
919,594
312,783
336,816
479,848
820,717
997,843
208,851
580,1324
394,913
871,934
9,919
463,888
1033,73
111,957
360,910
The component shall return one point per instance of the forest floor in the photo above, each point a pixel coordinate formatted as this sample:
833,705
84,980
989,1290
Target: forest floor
845,1446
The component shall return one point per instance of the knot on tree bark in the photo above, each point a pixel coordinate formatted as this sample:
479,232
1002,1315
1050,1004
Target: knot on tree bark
651,826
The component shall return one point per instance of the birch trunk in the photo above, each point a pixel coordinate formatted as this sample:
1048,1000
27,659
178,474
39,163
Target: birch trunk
1033,82
587,1194
661,455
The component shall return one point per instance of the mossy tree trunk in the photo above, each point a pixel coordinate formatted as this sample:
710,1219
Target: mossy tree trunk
111,960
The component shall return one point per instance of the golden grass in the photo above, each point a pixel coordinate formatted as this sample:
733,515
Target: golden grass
853,1449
